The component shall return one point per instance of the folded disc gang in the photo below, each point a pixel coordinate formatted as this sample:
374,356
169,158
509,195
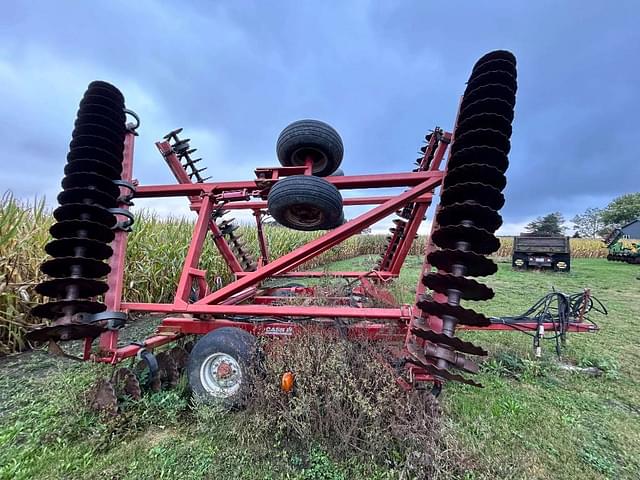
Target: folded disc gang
84,224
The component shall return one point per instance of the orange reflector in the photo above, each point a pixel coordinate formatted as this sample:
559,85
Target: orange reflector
286,382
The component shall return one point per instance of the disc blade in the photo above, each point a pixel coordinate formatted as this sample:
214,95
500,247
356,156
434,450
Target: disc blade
59,308
72,247
487,105
476,265
479,193
482,137
469,288
91,180
465,316
68,266
480,215
492,121
64,332
87,195
82,229
480,155
480,241
71,288
493,90
501,77
453,342
84,211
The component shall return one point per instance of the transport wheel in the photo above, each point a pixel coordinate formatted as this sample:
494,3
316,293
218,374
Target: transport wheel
302,202
221,366
313,138
338,173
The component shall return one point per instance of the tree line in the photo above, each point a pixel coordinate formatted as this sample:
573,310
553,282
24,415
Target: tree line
593,222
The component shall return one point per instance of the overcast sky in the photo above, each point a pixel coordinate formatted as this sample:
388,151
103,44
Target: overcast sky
383,73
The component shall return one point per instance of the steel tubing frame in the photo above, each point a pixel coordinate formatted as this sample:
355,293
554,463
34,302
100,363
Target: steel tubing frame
374,323
204,197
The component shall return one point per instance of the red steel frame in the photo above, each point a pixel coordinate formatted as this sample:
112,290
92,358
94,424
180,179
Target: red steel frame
245,296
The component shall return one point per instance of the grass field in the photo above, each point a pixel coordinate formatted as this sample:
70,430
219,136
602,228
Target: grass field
533,419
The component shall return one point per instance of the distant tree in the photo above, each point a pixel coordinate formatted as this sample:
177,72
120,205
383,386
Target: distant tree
589,224
551,224
622,210
576,234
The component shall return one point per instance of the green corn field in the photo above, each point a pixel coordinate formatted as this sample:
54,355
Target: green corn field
156,250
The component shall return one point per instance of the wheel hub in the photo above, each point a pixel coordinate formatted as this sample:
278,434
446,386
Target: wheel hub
221,375
304,215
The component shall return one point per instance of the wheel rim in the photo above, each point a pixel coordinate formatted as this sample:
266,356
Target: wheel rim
320,160
221,375
304,216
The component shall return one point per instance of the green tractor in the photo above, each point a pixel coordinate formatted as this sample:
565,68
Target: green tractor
622,249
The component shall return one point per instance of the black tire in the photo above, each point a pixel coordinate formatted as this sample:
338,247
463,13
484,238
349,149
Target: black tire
307,203
310,138
562,259
239,350
518,258
338,173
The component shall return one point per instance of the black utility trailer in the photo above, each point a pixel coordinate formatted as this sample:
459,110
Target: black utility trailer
541,251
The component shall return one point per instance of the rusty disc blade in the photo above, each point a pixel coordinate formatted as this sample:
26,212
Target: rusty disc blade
476,265
126,384
102,397
180,356
167,369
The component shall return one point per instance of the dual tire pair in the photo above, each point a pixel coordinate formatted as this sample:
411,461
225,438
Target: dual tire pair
303,202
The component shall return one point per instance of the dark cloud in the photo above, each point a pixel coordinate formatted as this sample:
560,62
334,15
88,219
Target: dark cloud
382,73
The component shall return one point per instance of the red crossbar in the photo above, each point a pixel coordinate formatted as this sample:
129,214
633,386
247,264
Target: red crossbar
320,245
